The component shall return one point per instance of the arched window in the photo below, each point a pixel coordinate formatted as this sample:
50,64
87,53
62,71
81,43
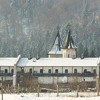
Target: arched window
22,70
12,71
94,71
30,70
75,71
56,70
6,71
66,71
41,70
85,70
49,70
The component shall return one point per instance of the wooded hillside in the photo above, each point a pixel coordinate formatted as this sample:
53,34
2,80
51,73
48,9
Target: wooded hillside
28,27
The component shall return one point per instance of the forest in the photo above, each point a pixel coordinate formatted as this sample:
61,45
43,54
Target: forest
29,27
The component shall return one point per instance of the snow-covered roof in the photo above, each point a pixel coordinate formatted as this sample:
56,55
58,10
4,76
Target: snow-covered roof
57,45
24,62
58,62
7,61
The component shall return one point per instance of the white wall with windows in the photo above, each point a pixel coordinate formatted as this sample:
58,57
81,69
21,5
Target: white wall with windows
52,80
77,69
37,69
48,69
57,69
7,69
53,69
67,68
88,69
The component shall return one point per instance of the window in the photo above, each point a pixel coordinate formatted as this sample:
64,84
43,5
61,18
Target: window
75,71
6,71
66,70
94,71
49,71
56,70
30,70
22,70
12,71
41,70
85,70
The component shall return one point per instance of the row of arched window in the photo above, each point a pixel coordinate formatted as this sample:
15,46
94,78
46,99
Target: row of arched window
6,71
57,71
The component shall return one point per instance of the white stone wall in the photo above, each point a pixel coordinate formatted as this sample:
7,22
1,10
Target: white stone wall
18,69
45,80
3,69
7,78
27,69
11,68
8,68
37,69
68,53
52,80
79,69
94,68
55,55
60,69
45,69
88,69
69,69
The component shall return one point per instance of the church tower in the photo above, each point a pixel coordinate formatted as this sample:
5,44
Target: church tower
56,51
69,49
65,49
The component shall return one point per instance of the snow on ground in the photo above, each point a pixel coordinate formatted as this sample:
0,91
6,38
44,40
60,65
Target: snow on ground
51,96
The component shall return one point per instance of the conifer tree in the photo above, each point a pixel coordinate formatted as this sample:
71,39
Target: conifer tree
86,53
92,53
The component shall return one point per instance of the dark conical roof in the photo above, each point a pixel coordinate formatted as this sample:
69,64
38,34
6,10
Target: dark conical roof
57,45
68,42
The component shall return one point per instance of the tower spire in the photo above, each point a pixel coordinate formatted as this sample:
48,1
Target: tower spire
69,49
68,43
57,44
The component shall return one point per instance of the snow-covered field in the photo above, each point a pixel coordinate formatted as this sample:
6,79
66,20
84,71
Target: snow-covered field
51,96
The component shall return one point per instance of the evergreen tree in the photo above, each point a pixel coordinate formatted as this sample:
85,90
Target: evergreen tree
86,53
80,50
92,53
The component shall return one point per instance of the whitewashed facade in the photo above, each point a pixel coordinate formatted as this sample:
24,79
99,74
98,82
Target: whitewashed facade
50,70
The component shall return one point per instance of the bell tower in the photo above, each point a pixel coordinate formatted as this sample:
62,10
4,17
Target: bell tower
56,51
69,49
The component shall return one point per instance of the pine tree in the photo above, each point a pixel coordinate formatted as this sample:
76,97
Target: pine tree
86,53
92,53
80,50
